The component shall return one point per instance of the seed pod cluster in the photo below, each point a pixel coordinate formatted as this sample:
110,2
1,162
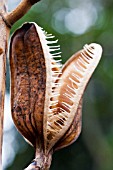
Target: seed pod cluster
46,98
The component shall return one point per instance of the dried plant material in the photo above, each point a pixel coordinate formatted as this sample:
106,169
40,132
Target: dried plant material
31,78
74,78
11,17
73,132
45,99
4,32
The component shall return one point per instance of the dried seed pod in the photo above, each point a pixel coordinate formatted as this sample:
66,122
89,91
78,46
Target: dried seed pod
75,76
33,72
45,99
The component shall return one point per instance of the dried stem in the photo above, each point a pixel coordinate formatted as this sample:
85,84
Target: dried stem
19,12
41,161
4,32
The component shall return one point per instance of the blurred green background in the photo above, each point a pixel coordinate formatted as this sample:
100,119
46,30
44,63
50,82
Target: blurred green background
74,23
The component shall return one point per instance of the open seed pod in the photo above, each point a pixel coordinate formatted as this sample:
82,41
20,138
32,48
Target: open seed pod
45,99
75,76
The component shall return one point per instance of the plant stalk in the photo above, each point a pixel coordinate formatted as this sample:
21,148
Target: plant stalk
19,11
42,161
4,34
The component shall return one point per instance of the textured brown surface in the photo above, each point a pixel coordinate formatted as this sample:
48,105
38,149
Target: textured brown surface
4,33
28,81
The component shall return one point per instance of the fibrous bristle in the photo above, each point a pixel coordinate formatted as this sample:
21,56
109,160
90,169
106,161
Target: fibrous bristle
52,42
49,36
55,54
57,46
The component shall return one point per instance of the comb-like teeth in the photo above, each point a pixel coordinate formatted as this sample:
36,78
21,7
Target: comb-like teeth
57,61
53,109
57,46
55,95
84,57
82,63
57,72
55,49
53,104
80,66
76,77
68,96
48,37
56,66
62,110
64,115
87,54
66,105
55,54
69,88
70,91
79,72
52,42
58,56
54,101
73,81
89,50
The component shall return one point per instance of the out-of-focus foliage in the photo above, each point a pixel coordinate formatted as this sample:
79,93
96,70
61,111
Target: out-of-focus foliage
75,23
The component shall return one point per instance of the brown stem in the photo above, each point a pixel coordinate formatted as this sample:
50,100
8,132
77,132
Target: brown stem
13,16
41,161
4,33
